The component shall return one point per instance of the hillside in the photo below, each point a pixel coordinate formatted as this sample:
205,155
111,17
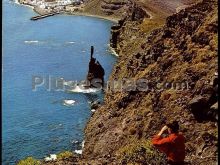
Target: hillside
117,9
184,50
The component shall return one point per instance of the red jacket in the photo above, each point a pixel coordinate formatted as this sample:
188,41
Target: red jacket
173,146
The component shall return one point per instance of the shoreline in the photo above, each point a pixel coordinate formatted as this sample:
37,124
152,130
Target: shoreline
27,5
115,20
112,50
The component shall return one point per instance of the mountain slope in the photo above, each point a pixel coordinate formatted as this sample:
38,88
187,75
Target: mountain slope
184,50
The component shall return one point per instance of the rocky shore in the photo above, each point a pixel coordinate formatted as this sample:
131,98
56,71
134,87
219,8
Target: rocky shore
156,43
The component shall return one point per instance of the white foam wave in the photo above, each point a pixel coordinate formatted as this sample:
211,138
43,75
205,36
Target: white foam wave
75,142
31,41
70,42
69,102
51,157
82,89
93,110
78,152
34,42
112,50
52,43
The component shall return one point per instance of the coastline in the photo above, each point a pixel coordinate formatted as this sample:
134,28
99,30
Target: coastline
41,12
112,50
115,20
91,15
27,5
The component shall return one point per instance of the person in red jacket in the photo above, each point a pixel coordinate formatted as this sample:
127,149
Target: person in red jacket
173,145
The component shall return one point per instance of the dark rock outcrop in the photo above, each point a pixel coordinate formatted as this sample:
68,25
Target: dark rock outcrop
96,72
138,13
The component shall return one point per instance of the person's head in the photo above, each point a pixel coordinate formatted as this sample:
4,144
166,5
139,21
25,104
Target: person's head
173,127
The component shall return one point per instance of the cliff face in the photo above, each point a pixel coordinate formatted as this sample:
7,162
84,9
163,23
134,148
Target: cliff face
119,8
115,9
111,8
179,62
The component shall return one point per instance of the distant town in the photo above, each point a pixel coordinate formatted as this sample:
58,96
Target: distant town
42,6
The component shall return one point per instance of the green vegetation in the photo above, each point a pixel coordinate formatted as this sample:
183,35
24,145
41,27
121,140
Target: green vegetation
134,147
139,151
65,154
33,161
29,161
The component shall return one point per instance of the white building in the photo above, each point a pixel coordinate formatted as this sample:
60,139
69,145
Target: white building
42,6
64,2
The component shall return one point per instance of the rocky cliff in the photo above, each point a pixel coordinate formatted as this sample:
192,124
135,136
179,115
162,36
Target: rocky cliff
167,69
120,8
114,9
178,62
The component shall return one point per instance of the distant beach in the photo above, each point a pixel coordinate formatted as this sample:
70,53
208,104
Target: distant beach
40,11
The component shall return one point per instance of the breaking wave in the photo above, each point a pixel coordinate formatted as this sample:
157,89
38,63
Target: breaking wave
34,42
82,89
70,42
69,102
80,151
112,50
53,43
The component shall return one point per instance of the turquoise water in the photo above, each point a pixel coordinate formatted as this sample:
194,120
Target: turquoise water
37,123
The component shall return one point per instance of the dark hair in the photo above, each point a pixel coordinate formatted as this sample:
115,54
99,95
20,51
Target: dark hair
174,126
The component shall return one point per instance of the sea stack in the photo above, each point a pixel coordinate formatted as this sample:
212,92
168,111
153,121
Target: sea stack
96,72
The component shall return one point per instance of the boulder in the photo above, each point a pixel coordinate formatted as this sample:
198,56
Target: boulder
198,102
95,104
198,105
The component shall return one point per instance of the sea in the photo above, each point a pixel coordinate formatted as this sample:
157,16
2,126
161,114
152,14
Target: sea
38,120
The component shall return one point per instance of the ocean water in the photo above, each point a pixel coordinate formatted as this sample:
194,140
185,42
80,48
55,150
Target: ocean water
42,122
